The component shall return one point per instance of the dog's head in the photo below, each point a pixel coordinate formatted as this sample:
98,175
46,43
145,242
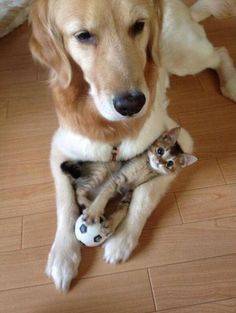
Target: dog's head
112,44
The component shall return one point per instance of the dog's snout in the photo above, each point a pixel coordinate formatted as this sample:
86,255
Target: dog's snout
129,103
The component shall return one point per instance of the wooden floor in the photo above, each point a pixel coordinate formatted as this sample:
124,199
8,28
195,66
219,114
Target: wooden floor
186,260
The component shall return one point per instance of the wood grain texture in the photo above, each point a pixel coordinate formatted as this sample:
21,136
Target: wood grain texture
196,282
120,293
10,234
228,166
38,229
227,306
207,203
165,214
212,135
28,199
3,109
204,173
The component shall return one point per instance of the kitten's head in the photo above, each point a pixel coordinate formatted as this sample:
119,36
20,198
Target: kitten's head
166,156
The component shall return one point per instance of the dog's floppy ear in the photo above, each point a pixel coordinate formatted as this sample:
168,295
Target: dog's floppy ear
153,45
46,43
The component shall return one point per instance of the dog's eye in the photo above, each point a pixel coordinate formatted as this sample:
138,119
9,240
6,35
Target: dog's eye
138,27
85,37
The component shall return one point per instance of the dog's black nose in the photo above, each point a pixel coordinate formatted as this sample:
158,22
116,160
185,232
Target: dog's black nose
129,103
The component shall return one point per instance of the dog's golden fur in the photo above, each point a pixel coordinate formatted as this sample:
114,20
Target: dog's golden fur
85,80
74,105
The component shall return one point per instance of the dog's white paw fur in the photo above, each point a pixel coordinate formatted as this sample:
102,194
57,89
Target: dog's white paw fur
63,262
119,247
229,89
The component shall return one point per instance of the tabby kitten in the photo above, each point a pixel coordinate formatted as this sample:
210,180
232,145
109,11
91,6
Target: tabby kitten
163,157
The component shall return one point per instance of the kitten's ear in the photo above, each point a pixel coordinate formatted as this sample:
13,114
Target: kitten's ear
172,135
187,159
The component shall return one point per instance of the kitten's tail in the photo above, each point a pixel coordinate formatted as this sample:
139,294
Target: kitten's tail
202,9
71,168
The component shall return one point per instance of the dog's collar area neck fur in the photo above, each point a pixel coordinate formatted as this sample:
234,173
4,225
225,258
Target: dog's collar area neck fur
114,153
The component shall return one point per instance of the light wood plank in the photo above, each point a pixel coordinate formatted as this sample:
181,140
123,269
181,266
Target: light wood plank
213,25
28,105
207,203
17,62
38,229
213,131
228,166
17,69
159,246
181,85
16,43
28,199
166,213
30,125
24,174
120,293
3,109
194,282
197,102
23,268
32,89
226,306
10,234
204,173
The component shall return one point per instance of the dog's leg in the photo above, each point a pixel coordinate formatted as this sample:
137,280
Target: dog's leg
145,199
185,48
202,9
227,74
64,257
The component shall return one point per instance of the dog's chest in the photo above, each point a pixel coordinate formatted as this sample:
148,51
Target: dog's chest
77,147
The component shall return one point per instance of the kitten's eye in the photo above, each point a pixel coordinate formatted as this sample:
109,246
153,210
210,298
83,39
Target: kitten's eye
85,37
160,151
138,27
170,164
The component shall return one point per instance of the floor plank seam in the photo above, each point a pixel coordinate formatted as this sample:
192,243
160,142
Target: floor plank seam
222,172
152,289
196,305
177,204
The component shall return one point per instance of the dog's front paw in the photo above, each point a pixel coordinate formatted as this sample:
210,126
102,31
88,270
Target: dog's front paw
120,246
63,262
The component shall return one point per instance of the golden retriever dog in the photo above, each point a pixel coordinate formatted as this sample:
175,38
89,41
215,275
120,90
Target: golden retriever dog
109,63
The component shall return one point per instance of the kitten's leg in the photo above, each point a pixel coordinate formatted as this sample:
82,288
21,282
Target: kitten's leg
82,198
96,210
112,222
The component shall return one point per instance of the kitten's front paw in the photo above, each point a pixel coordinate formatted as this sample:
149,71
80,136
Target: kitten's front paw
120,246
63,262
91,216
